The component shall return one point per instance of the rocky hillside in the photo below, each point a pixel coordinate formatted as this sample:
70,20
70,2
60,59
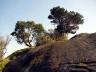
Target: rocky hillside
76,55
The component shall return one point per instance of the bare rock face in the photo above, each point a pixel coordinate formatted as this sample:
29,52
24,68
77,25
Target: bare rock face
76,55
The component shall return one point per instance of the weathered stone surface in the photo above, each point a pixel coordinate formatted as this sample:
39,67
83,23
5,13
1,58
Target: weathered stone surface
76,55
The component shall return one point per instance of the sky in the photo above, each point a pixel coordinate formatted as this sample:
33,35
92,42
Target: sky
12,11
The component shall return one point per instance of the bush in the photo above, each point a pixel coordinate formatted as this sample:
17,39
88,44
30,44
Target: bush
43,40
3,63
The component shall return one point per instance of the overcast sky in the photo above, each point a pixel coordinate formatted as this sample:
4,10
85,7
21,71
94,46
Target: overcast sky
38,10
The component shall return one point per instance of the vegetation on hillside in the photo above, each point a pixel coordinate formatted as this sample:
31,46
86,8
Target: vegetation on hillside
3,62
30,33
27,32
66,21
3,48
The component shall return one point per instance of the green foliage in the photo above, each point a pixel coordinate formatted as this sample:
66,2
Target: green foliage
3,62
27,32
44,39
57,37
67,22
61,38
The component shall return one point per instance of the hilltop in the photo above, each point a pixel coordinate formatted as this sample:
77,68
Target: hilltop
76,55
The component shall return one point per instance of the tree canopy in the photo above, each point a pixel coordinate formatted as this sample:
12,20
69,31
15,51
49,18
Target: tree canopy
27,32
66,21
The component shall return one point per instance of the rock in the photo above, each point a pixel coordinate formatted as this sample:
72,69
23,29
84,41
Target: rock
76,55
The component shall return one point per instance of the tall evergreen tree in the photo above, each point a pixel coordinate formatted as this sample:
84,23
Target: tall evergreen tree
66,21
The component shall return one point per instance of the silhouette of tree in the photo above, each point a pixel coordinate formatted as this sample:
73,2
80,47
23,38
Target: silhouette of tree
66,21
27,32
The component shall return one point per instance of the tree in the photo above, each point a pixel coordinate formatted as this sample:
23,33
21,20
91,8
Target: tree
27,32
3,44
66,21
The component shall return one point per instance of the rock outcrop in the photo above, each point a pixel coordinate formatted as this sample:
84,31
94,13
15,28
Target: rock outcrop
76,55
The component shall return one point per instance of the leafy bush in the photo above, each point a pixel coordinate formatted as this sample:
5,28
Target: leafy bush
3,63
44,39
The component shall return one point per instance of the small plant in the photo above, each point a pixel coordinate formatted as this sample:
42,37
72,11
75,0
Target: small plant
3,62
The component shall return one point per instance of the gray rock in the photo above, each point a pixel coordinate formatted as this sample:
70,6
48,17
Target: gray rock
76,55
